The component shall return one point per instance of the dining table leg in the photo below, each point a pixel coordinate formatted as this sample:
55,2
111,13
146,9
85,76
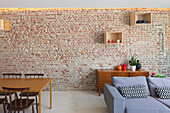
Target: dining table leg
51,94
40,102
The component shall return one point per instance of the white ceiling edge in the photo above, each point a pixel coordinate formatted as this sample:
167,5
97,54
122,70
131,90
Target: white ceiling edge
84,3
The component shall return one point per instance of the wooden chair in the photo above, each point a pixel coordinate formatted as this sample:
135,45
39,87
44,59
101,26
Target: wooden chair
34,75
33,94
18,104
2,101
9,75
12,75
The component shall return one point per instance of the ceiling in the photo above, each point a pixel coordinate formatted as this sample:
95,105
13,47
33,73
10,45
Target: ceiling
84,3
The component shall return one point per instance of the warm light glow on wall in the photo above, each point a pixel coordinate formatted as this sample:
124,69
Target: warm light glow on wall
20,9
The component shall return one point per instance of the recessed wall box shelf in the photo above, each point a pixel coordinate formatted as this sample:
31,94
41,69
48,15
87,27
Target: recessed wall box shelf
141,17
113,36
4,25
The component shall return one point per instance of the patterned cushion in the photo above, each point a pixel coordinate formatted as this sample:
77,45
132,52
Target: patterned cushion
138,91
163,92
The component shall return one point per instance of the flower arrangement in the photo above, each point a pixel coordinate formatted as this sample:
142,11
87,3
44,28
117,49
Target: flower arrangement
133,61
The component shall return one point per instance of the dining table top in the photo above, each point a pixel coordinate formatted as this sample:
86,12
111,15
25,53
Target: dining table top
35,84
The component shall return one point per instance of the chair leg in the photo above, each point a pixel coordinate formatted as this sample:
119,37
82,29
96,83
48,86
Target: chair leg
36,103
6,101
32,108
16,95
23,111
4,108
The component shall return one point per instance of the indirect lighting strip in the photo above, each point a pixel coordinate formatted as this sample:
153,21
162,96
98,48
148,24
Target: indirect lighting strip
20,9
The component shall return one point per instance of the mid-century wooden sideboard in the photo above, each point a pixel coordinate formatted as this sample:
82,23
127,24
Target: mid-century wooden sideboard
104,76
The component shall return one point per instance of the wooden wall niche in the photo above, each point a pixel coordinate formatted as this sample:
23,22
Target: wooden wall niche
5,25
134,17
113,36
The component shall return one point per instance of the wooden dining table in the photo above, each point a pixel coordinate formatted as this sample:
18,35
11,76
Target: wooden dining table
35,84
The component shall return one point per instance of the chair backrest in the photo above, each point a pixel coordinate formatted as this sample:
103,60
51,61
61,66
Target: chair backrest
18,102
2,100
12,75
34,75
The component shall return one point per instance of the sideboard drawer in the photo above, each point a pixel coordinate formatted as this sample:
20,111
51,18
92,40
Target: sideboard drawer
133,74
120,74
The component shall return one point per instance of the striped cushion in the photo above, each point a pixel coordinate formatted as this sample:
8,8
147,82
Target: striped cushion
163,92
138,91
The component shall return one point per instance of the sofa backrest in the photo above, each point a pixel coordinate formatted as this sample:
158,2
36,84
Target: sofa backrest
130,81
157,82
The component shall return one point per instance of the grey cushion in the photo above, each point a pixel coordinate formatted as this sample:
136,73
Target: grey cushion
163,92
165,101
145,105
130,81
157,82
138,91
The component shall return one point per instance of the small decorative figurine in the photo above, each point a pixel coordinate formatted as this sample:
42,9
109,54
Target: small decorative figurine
119,67
138,66
124,67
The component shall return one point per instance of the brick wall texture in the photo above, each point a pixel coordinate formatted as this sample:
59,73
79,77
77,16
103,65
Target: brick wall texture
68,44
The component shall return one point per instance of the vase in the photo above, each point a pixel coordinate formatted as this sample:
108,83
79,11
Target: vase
138,66
128,67
133,68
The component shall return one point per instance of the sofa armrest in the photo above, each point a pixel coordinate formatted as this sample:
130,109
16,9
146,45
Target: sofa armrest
114,100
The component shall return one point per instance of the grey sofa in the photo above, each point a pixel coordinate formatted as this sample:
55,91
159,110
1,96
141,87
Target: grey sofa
116,103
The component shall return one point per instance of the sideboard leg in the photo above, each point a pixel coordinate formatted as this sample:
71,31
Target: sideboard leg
99,92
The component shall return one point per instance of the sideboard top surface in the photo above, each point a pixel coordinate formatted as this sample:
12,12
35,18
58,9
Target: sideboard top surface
115,70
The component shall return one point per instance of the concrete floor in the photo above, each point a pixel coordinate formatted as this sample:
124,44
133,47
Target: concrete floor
72,102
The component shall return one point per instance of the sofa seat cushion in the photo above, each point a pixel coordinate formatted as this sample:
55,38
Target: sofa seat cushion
145,105
130,81
165,101
157,82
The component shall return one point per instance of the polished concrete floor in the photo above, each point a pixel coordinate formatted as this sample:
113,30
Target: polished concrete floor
72,102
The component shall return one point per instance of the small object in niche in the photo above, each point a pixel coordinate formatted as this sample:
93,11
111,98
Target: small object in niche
139,21
119,67
145,21
138,66
142,21
108,41
118,41
112,41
